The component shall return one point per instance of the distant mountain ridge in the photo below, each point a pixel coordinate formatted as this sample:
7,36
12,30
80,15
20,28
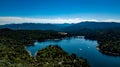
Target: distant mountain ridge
93,25
34,26
62,27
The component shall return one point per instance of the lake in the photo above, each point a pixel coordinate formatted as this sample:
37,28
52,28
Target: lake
82,48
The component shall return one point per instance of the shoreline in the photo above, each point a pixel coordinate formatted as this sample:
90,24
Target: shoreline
97,47
28,51
102,51
107,52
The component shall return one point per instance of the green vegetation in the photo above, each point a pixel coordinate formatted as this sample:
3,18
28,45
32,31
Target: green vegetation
108,39
46,56
27,37
14,56
13,53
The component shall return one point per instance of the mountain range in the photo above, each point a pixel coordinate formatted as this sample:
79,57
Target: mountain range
34,26
62,27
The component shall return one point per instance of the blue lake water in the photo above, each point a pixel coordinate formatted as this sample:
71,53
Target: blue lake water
82,48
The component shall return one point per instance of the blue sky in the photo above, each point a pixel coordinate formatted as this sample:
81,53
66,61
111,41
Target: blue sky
61,10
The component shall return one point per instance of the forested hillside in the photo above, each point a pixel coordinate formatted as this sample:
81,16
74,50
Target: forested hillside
13,53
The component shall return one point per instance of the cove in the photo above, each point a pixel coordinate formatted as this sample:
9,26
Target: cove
82,48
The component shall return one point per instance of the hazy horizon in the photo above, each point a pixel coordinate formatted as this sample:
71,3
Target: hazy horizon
58,11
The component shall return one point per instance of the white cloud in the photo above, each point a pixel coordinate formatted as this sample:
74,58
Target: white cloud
111,20
8,20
